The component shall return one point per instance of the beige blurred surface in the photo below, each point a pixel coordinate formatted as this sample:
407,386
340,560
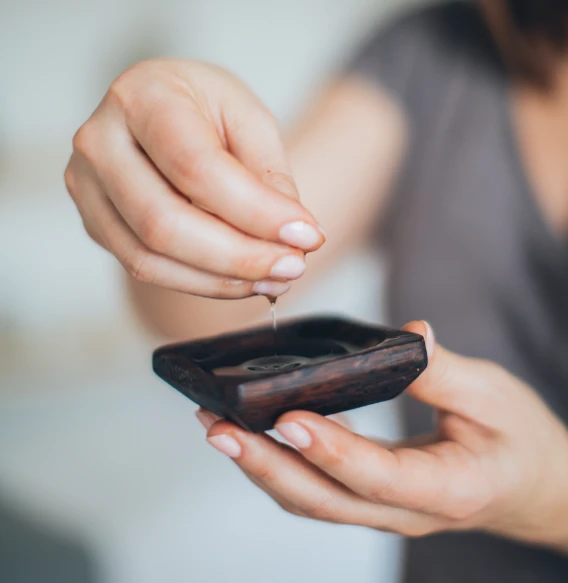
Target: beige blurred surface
90,441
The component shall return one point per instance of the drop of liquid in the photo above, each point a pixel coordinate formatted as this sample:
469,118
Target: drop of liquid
272,301
277,363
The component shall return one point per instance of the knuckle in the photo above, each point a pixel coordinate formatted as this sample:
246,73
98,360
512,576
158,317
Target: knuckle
138,92
323,510
70,179
282,182
117,91
264,474
189,167
289,508
122,89
234,288
83,139
258,214
249,265
376,494
137,265
156,230
91,233
335,455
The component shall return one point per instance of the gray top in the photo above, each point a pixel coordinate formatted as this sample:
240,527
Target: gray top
469,249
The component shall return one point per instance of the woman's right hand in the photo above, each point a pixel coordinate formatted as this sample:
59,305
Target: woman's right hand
181,174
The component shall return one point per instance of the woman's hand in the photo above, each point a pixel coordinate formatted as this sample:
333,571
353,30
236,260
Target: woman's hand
181,174
498,462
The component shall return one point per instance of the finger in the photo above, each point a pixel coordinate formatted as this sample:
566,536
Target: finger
106,226
282,502
415,441
456,384
167,224
341,419
417,479
245,117
188,150
207,419
284,474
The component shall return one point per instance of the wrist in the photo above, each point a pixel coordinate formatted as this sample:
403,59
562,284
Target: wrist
558,532
538,513
550,517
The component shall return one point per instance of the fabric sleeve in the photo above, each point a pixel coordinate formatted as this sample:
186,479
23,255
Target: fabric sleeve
389,57
414,54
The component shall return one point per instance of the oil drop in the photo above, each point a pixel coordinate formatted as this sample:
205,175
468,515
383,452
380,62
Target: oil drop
272,301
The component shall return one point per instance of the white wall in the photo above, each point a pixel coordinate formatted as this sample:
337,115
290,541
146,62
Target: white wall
89,440
56,60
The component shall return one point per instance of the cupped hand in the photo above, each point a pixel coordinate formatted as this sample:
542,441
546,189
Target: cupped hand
498,461
182,175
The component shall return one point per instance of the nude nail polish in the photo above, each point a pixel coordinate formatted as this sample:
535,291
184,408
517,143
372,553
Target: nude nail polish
226,444
288,267
271,288
301,235
295,434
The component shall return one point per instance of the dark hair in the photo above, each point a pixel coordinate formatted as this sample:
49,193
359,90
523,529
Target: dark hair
532,34
546,19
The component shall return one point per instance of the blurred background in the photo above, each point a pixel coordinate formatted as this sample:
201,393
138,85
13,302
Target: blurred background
105,475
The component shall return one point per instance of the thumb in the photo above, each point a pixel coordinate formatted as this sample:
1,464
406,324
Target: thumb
468,387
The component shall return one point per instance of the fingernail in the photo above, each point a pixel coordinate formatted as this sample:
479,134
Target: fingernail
429,339
206,418
295,434
301,235
235,281
271,288
226,444
322,231
289,267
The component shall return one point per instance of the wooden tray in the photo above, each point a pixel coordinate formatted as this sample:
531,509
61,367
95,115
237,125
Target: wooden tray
373,364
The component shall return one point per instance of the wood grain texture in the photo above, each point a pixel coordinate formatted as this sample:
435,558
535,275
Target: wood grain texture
379,365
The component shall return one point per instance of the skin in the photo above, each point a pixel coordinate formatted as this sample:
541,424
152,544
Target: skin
482,470
182,175
172,109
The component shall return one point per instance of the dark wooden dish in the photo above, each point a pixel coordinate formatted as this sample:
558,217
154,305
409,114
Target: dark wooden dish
367,364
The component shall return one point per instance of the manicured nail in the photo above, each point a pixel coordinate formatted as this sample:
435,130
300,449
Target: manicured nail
225,444
429,339
295,434
235,281
288,267
322,231
206,418
301,235
268,287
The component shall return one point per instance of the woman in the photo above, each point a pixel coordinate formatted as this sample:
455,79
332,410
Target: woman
448,133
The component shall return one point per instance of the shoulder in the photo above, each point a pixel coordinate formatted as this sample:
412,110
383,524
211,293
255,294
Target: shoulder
442,28
418,52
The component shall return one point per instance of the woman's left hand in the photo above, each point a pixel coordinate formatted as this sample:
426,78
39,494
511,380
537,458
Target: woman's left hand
498,462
